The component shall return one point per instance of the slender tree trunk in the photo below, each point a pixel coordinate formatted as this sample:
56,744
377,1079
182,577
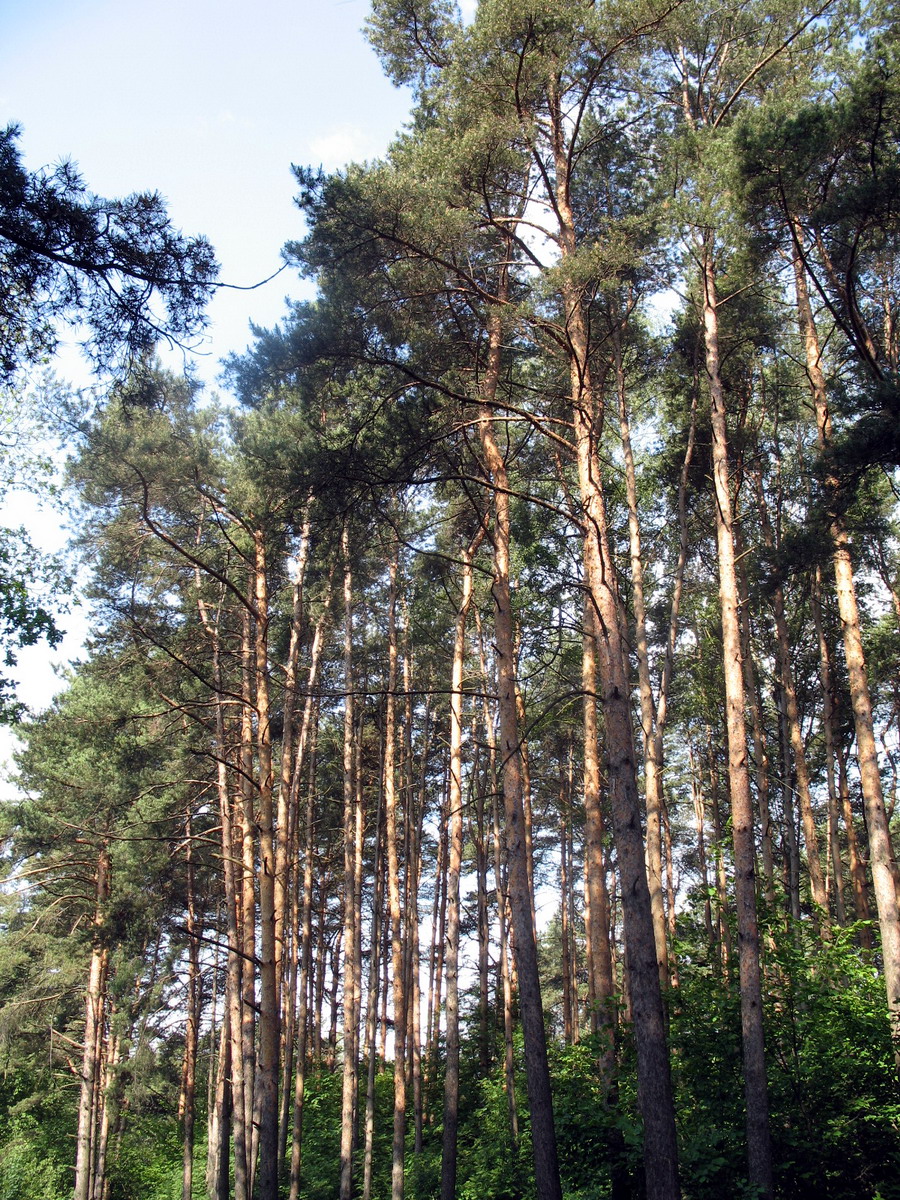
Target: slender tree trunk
309,848
218,1174
334,989
757,726
827,685
537,1070
94,1018
454,869
669,855
526,792
232,851
858,878
392,836
300,896
504,968
351,911
571,906
654,1077
700,816
652,765
603,1016
500,889
436,953
192,1024
565,966
269,1034
790,850
759,1151
286,946
792,716
880,849
412,958
369,1048
723,934
108,1106
247,821
286,816
479,840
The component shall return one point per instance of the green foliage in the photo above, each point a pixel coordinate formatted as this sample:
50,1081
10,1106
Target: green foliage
27,583
586,1123
833,1090
321,1134
30,1164
835,1118
148,1166
489,1163
68,254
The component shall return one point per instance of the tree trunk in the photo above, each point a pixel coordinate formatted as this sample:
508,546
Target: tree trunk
760,755
792,716
94,1019
369,1049
759,1151
700,815
351,912
392,836
309,851
603,1016
652,765
880,849
858,879
827,685
537,1070
269,1035
654,1077
247,921
454,869
192,1024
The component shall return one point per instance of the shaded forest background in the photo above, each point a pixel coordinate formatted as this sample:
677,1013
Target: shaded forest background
482,778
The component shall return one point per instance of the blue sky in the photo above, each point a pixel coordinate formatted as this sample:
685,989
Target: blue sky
207,102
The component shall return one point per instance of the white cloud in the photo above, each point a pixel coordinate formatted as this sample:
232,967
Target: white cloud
347,143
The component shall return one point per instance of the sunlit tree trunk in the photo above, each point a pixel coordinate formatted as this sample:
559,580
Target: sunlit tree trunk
94,1020
186,1099
880,850
759,1151
700,819
306,960
351,972
795,734
370,1045
454,869
652,764
246,815
654,1076
536,1066
269,1036
827,685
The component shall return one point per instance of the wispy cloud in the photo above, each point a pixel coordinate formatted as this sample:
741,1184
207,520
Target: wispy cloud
339,146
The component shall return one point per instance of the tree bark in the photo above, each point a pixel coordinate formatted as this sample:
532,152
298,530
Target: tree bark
351,913
94,1019
454,869
309,854
654,1077
652,764
759,1151
540,1099
880,848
